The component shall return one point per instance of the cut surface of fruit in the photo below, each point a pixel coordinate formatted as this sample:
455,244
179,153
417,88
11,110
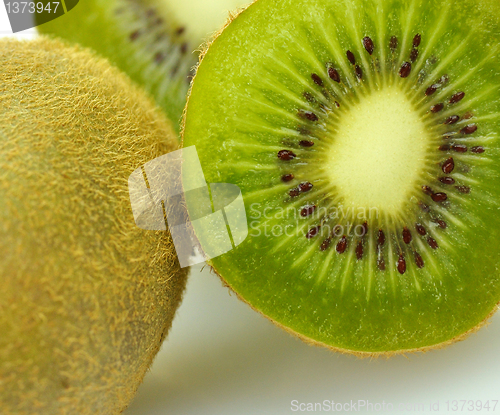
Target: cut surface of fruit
363,135
153,42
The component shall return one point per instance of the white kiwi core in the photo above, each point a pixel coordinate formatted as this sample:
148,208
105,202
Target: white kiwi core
378,152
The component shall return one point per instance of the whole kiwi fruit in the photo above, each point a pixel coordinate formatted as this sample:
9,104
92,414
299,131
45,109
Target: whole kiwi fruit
86,297
364,136
155,42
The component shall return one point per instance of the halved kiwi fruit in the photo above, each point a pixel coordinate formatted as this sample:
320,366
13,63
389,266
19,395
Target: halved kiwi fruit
364,137
152,41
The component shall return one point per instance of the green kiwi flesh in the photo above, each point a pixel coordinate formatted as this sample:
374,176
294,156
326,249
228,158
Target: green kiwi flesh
364,137
86,297
153,42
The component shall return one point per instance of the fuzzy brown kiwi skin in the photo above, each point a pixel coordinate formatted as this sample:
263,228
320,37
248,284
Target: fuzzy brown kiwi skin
360,354
86,297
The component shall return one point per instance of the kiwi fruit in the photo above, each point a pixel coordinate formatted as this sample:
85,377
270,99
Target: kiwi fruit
86,297
364,137
154,42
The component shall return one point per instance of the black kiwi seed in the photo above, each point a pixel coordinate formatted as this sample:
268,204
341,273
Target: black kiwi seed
418,260
401,264
313,232
416,40
436,108
477,149
433,88
444,147
432,243
407,236
359,72
393,44
424,207
469,129
351,57
463,189
342,245
368,44
457,97
441,223
135,35
287,177
286,155
333,74
159,57
294,192
159,21
439,197
337,230
381,264
365,229
306,143
303,130
325,244
359,250
317,80
420,229
427,190
405,70
448,166
432,60
447,180
381,237
305,187
452,120
307,210
414,55
459,148
309,97
308,115
444,80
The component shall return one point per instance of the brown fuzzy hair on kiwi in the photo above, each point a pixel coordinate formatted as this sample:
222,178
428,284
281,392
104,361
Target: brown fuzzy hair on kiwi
86,297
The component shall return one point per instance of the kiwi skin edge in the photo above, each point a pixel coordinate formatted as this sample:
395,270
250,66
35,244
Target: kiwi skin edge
86,297
359,354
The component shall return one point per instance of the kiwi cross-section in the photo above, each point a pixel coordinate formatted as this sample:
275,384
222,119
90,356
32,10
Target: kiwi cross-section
364,137
152,41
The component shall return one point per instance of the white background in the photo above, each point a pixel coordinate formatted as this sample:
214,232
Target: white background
222,358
